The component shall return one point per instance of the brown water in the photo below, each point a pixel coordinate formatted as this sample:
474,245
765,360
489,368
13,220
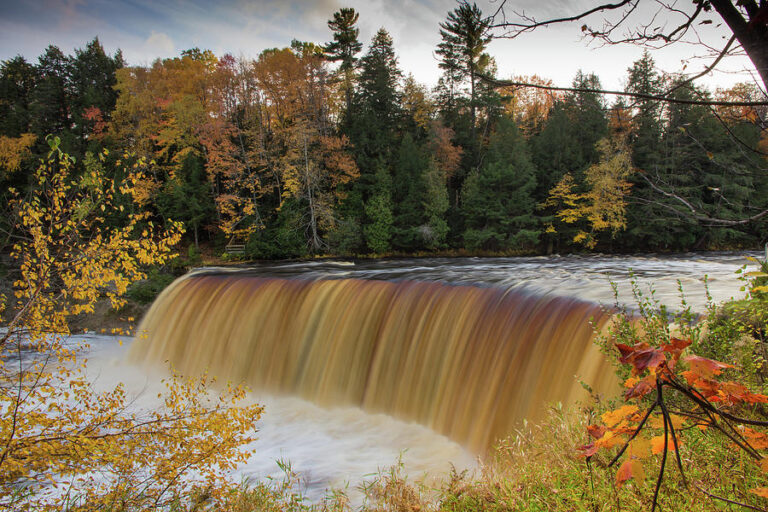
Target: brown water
470,362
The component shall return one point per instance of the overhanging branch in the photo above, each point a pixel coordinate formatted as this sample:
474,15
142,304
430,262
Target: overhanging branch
496,83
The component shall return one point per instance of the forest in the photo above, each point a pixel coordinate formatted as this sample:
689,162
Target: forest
108,170
318,149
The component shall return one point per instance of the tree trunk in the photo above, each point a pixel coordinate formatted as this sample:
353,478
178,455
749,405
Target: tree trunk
752,37
315,239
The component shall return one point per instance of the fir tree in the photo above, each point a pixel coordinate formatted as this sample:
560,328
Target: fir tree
497,198
344,48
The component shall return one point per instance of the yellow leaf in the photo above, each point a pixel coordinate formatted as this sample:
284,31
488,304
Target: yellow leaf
612,418
640,447
678,422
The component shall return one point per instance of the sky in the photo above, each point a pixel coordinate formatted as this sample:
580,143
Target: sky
146,30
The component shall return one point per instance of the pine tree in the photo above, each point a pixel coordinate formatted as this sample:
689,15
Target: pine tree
587,113
408,193
374,133
642,78
378,212
17,80
92,80
187,197
344,48
49,100
462,50
434,231
379,80
497,198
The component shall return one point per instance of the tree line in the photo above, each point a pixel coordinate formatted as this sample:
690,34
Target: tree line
331,149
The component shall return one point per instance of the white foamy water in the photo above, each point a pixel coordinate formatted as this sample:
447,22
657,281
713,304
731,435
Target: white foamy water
329,448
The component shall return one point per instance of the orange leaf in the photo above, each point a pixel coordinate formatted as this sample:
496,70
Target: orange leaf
764,464
760,491
631,382
658,421
706,367
632,468
757,440
642,388
675,348
612,418
657,444
609,440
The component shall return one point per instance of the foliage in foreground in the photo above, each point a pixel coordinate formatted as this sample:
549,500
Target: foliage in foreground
63,444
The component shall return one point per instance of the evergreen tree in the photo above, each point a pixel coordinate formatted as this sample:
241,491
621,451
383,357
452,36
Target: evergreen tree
646,122
49,100
497,198
434,231
408,193
379,81
374,135
92,80
344,48
589,122
462,51
378,212
187,197
555,150
17,80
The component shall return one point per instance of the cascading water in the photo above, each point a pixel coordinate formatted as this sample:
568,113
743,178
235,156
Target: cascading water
470,362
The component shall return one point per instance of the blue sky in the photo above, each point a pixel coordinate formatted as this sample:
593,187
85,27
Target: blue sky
146,30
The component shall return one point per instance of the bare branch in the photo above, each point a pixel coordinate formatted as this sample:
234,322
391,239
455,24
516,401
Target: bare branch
532,24
704,219
494,82
706,70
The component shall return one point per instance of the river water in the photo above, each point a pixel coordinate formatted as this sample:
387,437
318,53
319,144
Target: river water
340,447
585,277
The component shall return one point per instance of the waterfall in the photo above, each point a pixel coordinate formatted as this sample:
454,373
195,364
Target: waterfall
470,362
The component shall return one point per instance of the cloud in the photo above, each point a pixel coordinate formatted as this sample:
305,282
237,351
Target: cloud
159,44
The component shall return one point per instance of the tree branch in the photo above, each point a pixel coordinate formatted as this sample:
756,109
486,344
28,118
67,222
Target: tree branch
496,83
699,217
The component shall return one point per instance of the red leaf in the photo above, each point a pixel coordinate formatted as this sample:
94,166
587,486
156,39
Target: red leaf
675,348
588,450
706,367
649,358
596,431
626,351
642,388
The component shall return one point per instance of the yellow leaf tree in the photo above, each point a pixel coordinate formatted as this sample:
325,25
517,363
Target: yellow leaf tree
58,436
602,206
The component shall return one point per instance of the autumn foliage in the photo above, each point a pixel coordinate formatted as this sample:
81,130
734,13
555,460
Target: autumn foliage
671,395
62,443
